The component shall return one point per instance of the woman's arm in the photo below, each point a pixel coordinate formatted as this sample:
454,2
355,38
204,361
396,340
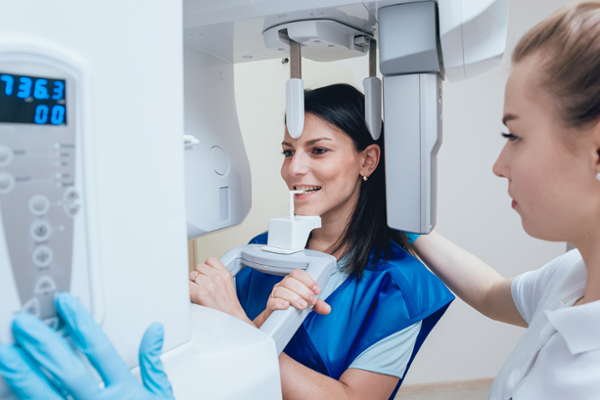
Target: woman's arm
211,285
300,383
478,284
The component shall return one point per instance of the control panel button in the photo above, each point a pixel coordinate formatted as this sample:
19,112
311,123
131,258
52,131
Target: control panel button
71,195
7,182
42,256
6,155
40,231
71,209
39,204
32,307
45,285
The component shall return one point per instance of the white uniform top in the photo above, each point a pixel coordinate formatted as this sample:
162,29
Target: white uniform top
559,355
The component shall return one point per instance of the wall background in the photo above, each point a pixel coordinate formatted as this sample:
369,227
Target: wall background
473,205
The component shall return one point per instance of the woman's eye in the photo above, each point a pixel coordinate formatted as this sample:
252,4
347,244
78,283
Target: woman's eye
510,137
318,151
287,153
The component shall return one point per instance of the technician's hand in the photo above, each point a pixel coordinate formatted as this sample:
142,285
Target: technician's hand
299,290
211,285
39,349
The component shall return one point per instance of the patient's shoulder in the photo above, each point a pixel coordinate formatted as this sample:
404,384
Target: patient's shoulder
260,239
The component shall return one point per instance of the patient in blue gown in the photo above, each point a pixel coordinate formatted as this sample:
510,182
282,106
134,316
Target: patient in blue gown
379,307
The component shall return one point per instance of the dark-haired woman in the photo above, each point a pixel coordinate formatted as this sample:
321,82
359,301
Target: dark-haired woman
384,302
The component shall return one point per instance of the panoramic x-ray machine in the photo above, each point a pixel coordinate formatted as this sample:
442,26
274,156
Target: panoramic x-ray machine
97,190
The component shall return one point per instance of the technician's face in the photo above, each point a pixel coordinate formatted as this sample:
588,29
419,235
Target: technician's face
323,162
553,186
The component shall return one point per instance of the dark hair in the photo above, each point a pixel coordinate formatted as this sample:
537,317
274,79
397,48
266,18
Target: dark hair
569,74
342,106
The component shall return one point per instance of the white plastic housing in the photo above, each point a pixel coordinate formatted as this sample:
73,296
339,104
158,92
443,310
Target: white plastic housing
282,324
322,40
289,236
373,108
294,107
413,110
218,187
472,36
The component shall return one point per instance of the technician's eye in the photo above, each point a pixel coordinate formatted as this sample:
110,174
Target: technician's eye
510,137
287,153
319,151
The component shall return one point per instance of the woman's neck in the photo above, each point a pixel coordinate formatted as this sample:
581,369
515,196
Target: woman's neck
333,226
590,252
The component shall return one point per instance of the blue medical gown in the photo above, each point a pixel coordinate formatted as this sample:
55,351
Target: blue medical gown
387,299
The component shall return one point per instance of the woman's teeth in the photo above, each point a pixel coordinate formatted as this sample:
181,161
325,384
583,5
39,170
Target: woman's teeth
308,189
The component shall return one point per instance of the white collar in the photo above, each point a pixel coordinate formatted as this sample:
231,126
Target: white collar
580,325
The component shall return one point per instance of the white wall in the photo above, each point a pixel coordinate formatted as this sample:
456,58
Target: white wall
474,208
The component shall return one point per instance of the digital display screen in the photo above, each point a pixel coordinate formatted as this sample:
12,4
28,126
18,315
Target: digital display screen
32,100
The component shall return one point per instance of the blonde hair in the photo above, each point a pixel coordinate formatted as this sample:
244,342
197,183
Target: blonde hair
568,44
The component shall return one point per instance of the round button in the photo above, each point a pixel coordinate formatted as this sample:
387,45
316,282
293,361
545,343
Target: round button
7,182
39,204
219,160
71,209
71,195
42,256
6,155
32,307
40,231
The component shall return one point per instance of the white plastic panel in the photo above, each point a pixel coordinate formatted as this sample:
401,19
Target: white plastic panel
322,40
226,359
233,30
413,136
132,115
218,186
451,39
47,163
485,25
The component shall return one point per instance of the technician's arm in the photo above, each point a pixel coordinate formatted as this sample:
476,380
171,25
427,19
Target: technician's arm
471,279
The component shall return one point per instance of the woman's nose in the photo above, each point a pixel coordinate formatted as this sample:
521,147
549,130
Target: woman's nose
501,167
298,164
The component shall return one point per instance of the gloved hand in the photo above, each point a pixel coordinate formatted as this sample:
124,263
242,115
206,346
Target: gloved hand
411,237
39,346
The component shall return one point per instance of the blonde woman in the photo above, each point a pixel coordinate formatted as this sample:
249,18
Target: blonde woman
552,163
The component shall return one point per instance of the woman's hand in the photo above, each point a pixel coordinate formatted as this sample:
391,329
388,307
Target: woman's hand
299,290
211,285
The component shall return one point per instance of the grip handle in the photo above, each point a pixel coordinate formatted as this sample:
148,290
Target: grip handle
282,324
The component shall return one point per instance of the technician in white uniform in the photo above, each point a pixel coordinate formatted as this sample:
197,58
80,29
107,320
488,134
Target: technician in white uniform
552,163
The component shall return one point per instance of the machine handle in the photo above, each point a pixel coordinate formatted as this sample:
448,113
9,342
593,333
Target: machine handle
282,324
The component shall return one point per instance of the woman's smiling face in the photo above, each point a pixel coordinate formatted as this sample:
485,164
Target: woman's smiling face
324,163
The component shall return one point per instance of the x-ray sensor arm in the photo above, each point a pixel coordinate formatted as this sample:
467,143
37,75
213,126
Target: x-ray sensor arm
294,89
372,85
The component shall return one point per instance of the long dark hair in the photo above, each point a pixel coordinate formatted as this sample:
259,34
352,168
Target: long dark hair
343,107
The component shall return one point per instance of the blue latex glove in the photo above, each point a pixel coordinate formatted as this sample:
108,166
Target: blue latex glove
39,346
411,237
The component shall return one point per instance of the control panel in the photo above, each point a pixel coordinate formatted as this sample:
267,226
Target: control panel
41,189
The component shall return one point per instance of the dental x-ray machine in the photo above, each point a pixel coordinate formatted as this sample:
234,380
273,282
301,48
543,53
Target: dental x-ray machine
96,189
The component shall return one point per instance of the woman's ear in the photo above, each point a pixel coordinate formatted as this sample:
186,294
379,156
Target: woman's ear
596,148
370,159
